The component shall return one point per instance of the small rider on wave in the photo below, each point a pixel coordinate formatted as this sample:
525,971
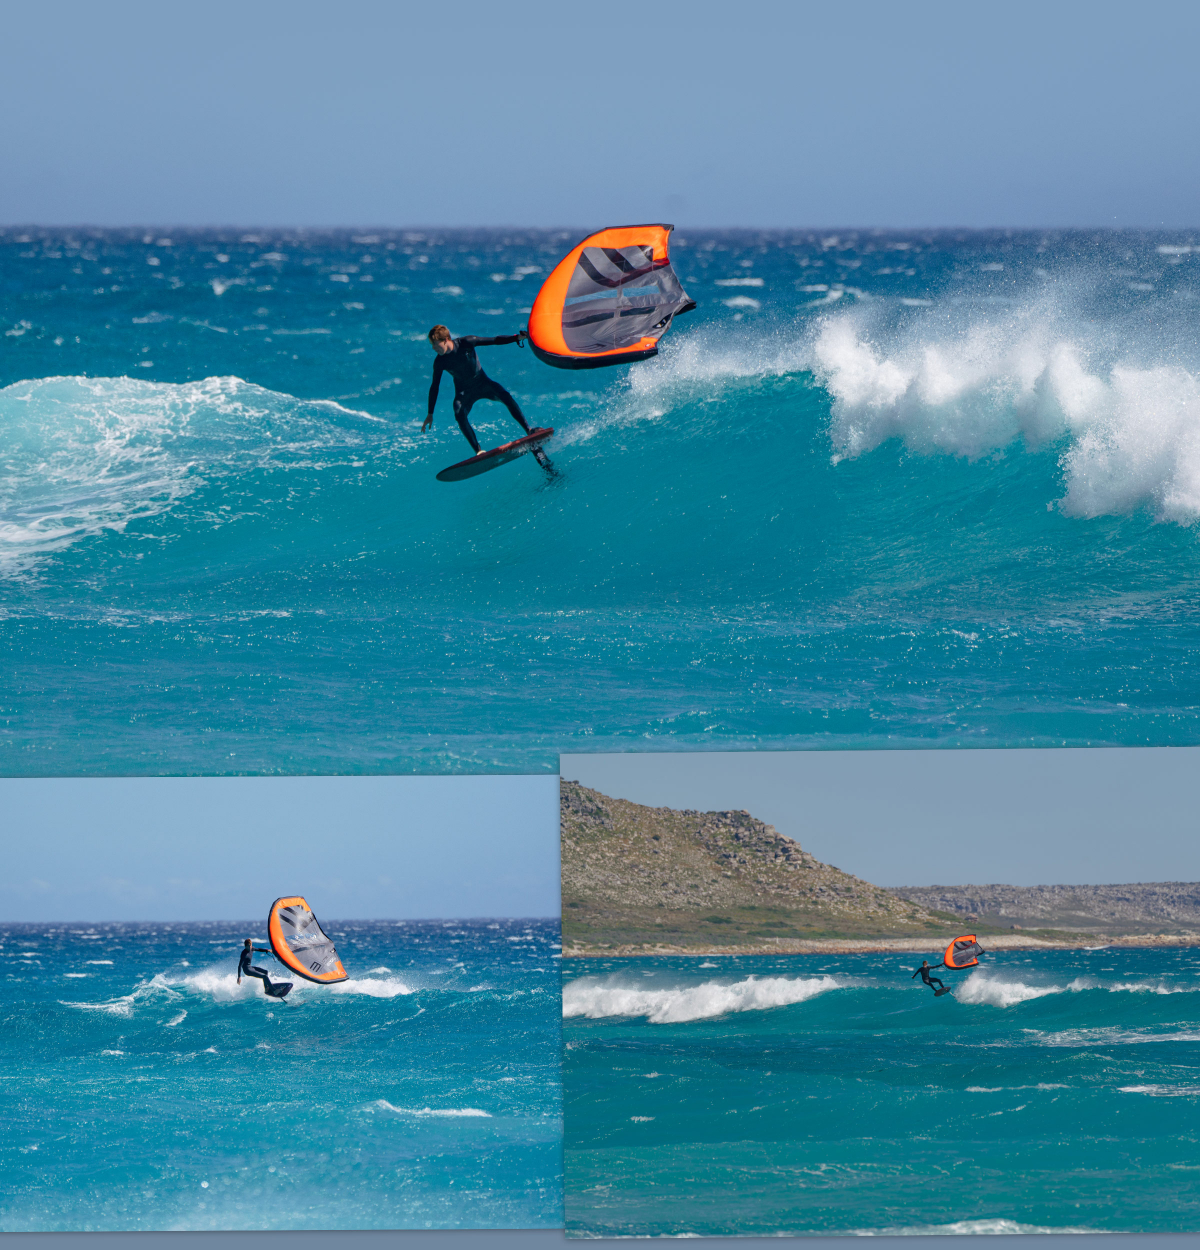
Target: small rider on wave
245,969
923,973
457,357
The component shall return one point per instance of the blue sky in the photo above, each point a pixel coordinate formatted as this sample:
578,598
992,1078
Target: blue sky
223,848
1045,817
551,113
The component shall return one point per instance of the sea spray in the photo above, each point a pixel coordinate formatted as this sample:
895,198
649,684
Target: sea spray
1129,434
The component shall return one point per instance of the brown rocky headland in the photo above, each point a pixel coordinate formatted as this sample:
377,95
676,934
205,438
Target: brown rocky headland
640,880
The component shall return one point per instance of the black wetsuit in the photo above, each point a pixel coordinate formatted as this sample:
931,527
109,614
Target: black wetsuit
923,973
471,383
245,970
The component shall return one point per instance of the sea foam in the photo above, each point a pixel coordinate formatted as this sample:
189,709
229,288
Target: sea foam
996,1226
990,990
1117,397
969,381
220,983
596,999
383,1105
84,455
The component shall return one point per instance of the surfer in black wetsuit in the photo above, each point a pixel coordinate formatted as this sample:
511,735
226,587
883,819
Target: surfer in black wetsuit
245,970
457,357
923,973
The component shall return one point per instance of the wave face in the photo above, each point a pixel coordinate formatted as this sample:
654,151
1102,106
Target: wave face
1056,1092
930,490
437,1060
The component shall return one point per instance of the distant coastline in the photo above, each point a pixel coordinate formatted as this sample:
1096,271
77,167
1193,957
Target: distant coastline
867,946
639,881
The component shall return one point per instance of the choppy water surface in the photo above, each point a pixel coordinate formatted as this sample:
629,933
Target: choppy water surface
1049,1092
142,1088
877,489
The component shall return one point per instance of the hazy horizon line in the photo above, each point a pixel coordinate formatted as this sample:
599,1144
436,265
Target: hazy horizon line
492,226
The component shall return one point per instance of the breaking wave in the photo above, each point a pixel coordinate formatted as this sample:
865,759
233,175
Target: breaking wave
1162,1091
597,999
156,990
989,989
997,1226
83,455
1131,431
1118,400
220,985
383,1105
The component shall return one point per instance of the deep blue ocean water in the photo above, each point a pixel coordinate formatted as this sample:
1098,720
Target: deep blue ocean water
141,1088
879,489
1049,1092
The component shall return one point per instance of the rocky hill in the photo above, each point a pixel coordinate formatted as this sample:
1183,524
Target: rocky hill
1156,907
655,875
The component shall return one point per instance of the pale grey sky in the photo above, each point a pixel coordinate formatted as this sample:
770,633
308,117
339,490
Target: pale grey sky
562,113
945,817
222,848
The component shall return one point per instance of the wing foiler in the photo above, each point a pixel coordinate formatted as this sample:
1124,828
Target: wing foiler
609,300
963,952
301,944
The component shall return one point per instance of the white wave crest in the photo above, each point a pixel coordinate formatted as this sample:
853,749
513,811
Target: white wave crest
596,999
988,989
1162,1091
220,983
991,989
155,990
973,387
996,1226
83,455
383,1105
1151,987
1119,400
1108,1036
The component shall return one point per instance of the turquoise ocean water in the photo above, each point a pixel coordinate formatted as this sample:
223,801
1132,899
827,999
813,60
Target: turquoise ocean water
141,1088
879,489
1049,1092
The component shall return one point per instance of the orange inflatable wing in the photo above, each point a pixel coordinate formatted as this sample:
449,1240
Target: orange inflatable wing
609,300
963,952
300,943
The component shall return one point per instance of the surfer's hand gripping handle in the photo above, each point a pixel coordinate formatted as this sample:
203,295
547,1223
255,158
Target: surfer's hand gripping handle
522,335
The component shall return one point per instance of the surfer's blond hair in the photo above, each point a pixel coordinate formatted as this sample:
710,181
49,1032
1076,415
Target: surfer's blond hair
439,334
